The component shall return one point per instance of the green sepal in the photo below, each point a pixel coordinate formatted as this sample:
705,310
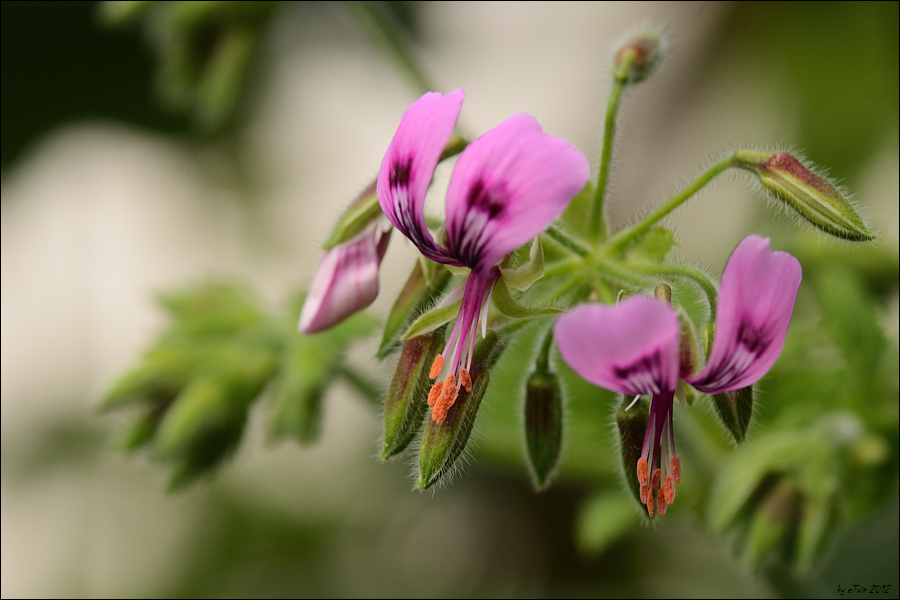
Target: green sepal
443,444
631,422
526,274
364,210
424,285
652,247
735,411
407,396
433,319
543,425
510,307
577,216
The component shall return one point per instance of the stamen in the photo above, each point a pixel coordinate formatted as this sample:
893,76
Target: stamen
448,395
643,471
676,469
645,493
436,366
668,490
465,380
657,474
650,505
661,502
435,393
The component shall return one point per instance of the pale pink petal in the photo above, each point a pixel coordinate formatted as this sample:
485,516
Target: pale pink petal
508,186
346,280
759,288
630,348
409,164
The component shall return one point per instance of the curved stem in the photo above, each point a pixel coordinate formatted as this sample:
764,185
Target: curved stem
695,275
542,363
626,236
598,222
566,241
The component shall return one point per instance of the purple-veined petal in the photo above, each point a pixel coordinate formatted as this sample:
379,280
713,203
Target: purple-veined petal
346,280
630,348
508,186
759,288
409,164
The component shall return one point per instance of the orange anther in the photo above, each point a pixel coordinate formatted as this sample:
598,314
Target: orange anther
643,471
436,366
657,474
660,502
676,469
668,490
650,505
645,493
435,393
465,380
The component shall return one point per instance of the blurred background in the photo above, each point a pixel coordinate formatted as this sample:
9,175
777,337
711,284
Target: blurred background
135,162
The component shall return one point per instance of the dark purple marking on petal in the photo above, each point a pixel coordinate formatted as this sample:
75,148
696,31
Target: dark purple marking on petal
643,374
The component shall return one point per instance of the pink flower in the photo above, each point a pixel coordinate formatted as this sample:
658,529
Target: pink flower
633,348
346,280
507,187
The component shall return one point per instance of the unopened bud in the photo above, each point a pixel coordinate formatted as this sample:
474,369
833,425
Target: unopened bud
543,425
631,419
639,56
688,347
443,443
735,410
406,402
813,196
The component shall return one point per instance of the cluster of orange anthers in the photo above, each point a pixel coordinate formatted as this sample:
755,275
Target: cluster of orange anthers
443,395
665,494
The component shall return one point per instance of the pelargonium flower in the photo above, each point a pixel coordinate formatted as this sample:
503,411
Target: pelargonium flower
507,187
346,280
633,348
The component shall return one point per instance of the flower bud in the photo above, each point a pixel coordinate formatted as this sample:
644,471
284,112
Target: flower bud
443,443
735,410
346,280
631,419
813,196
639,56
406,402
777,513
543,425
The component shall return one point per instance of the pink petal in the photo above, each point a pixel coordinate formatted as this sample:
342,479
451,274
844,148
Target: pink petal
630,348
346,280
759,288
508,186
409,164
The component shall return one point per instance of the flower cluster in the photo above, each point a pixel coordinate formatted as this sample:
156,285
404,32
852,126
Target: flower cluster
510,186
636,348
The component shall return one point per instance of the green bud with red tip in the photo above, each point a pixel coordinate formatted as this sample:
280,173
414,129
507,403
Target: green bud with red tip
406,402
812,195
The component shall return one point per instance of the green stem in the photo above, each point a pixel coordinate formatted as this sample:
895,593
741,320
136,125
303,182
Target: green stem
542,363
393,39
598,227
568,265
566,241
361,384
626,236
695,275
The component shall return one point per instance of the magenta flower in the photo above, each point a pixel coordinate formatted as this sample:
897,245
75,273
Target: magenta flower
507,187
346,280
633,348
